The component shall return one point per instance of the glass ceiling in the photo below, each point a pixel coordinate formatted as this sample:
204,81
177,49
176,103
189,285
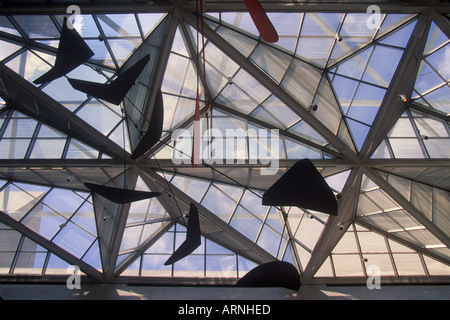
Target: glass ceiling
387,160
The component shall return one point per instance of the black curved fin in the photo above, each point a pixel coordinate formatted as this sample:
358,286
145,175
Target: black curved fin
119,195
193,238
272,274
72,52
115,91
302,186
154,131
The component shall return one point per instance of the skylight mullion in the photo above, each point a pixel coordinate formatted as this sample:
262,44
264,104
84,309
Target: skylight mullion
16,254
299,31
33,140
360,253
138,22
417,133
235,207
330,51
437,73
105,40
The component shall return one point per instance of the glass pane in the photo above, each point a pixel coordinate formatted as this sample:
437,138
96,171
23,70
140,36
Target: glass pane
37,26
48,149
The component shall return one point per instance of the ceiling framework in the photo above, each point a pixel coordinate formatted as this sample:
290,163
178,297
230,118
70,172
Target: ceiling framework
392,178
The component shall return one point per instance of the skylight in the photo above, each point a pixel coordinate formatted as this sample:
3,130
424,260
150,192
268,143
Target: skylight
321,92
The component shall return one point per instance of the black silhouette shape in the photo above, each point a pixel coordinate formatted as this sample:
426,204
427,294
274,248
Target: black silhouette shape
302,186
115,91
193,238
119,195
272,274
154,131
72,52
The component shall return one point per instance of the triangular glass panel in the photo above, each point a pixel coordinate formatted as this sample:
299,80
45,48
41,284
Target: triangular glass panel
394,20
17,199
243,43
380,68
427,78
101,115
400,38
359,131
149,21
31,65
353,34
120,136
304,130
194,188
436,38
7,49
382,152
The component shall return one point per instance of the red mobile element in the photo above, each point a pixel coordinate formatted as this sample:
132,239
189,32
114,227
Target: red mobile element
262,21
